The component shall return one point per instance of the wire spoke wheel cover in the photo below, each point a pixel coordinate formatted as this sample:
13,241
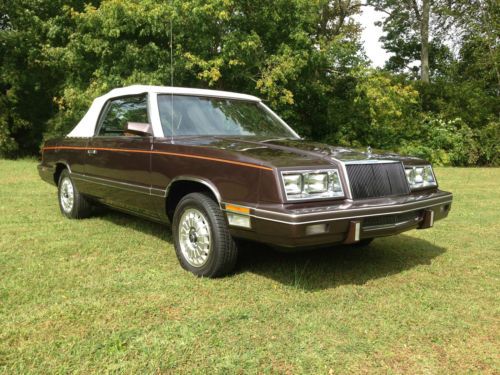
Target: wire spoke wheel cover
67,195
194,237
202,241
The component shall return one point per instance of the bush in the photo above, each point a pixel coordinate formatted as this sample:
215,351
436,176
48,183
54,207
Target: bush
489,139
444,142
10,125
383,112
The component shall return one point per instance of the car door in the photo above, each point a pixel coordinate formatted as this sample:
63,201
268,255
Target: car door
118,163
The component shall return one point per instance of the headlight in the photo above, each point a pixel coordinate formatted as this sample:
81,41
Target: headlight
316,182
293,183
312,184
420,177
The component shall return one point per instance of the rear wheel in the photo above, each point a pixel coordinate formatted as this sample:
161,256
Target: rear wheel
72,204
202,240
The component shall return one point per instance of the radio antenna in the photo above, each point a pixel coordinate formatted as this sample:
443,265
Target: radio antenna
172,74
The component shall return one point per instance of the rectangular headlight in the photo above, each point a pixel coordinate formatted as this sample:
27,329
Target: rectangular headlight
293,183
312,184
420,177
316,182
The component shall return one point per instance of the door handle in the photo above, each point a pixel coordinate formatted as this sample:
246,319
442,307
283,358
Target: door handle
91,152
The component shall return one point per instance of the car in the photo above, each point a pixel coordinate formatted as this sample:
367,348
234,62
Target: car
221,167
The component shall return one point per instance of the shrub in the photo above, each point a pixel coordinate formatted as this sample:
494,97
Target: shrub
489,139
444,142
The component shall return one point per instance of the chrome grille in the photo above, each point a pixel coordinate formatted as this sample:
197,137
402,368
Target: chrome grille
377,180
390,220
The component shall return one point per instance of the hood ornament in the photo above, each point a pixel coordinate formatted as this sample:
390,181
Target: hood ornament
369,152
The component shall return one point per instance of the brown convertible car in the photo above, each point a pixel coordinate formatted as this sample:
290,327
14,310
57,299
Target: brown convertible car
222,166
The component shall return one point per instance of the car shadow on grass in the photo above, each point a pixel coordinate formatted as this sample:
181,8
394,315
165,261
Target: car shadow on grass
338,265
323,268
152,228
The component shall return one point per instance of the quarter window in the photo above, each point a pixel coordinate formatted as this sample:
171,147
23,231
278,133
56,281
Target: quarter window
121,111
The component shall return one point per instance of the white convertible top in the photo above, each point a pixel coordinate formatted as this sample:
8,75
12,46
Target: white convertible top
86,126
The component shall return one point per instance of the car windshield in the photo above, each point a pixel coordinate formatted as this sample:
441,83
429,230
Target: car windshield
193,115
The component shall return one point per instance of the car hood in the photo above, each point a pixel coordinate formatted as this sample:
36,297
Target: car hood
295,153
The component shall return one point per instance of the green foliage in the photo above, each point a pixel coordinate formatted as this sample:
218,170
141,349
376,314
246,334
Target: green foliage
28,78
391,109
9,125
459,108
444,142
277,50
489,144
303,57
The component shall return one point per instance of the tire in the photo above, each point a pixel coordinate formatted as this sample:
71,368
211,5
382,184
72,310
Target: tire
202,240
72,204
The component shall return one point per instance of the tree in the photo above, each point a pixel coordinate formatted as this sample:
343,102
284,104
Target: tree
291,53
409,32
28,78
478,34
387,111
302,57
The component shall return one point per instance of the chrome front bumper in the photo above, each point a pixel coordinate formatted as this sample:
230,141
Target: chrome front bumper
346,222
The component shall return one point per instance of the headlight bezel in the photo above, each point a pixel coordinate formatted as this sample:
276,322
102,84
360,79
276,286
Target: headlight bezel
330,193
424,185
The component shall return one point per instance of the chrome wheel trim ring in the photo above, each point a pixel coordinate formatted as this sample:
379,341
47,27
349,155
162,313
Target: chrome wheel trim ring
67,195
194,237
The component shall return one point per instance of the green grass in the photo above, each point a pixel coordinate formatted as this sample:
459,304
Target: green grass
107,295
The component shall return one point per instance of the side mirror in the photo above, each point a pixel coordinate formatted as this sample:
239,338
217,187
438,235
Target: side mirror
142,129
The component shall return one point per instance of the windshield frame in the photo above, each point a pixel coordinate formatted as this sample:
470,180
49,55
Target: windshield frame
259,103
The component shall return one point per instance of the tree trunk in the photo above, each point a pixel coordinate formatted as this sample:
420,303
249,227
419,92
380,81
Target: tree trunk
490,32
424,35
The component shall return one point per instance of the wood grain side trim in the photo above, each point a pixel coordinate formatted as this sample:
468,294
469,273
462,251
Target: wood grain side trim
159,153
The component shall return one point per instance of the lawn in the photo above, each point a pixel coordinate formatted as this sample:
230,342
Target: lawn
106,294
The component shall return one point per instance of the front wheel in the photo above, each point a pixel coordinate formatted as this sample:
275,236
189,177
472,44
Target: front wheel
202,240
